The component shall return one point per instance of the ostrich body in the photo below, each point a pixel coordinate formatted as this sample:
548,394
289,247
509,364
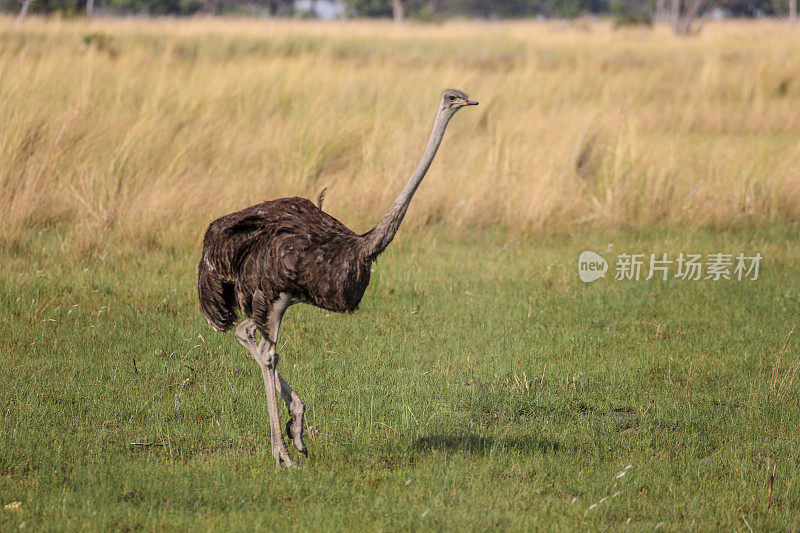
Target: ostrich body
264,258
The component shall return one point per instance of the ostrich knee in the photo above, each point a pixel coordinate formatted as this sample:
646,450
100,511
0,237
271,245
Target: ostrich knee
245,333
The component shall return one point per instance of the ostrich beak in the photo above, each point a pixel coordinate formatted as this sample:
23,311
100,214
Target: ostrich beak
470,102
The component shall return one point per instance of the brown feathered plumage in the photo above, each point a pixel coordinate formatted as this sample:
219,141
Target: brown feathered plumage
281,246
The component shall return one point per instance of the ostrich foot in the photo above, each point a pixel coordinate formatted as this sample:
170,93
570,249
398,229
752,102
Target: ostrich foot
294,429
282,456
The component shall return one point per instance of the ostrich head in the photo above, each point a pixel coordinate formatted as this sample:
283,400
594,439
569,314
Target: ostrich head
453,100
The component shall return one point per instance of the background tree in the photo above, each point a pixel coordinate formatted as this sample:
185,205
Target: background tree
369,8
23,11
398,11
631,12
158,7
689,16
685,16
754,8
662,13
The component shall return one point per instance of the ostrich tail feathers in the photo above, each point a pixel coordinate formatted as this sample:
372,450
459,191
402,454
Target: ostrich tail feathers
321,197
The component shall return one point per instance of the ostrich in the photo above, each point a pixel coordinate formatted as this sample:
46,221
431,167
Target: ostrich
264,258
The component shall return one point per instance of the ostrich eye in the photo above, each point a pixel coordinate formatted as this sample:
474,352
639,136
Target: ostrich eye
451,98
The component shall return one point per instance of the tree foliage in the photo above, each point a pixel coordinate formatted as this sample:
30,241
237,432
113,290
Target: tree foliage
623,11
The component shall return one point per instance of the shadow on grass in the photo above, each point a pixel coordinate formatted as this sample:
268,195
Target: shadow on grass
472,443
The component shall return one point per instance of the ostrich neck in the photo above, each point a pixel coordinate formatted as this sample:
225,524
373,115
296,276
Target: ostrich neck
384,231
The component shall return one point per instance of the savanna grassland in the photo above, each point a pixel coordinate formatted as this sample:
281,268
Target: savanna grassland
154,127
482,385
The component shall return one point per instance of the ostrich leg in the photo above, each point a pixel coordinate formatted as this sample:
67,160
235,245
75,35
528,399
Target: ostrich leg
265,356
294,427
268,360
273,381
245,333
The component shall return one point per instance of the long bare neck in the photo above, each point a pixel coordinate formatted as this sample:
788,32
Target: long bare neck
382,234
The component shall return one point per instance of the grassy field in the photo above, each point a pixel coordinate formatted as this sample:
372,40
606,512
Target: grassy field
151,128
482,384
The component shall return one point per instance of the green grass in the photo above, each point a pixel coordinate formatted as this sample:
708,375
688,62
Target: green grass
418,416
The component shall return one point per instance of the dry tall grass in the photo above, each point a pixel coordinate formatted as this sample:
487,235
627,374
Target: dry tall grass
150,129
